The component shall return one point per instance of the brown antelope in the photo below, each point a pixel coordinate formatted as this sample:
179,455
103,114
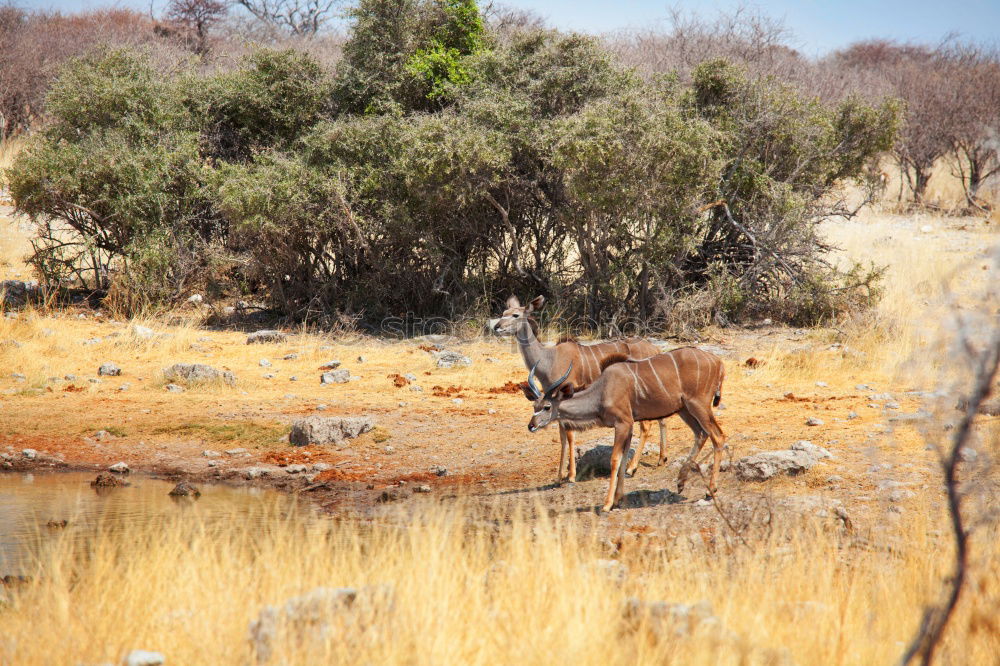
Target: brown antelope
685,381
583,362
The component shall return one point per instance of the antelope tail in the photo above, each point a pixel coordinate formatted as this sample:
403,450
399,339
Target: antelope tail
718,389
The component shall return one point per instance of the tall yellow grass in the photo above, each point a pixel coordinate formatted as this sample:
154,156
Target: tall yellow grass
528,592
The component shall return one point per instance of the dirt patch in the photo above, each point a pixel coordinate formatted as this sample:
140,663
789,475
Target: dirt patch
509,387
449,392
398,380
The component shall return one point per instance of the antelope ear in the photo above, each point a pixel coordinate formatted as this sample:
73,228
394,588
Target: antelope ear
512,302
527,392
566,390
536,303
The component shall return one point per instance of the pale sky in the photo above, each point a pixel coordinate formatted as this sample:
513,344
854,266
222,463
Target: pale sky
817,26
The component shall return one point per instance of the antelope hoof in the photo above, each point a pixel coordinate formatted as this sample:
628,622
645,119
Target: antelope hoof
661,462
680,488
708,496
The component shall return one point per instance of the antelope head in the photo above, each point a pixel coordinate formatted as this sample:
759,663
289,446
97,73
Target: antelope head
516,314
547,401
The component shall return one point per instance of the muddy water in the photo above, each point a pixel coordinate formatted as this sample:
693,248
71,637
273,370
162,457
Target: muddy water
28,502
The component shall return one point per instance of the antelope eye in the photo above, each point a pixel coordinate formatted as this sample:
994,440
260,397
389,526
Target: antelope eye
515,315
548,407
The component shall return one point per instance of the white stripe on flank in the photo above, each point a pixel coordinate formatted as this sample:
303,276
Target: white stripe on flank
657,375
635,380
678,371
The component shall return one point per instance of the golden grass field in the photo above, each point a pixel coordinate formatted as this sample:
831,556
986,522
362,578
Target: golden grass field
494,565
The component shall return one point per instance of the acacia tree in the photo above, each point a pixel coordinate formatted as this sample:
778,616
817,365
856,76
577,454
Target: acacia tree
975,74
925,82
302,18
196,17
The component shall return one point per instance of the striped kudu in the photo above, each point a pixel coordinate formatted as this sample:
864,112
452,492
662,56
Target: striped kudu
685,381
583,362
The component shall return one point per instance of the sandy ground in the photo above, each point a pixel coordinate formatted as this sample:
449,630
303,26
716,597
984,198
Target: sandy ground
471,421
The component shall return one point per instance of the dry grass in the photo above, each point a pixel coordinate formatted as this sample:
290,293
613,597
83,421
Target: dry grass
530,594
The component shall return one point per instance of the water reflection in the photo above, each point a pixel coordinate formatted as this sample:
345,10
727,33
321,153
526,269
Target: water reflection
33,508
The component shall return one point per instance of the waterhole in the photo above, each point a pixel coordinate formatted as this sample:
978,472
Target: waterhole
38,508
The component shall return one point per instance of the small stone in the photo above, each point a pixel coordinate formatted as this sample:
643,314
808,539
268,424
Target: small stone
18,376
410,377
362,359
416,388
834,479
185,489
251,473
926,229
422,489
900,495
213,463
703,502
264,363
30,454
491,411
892,405
813,421
852,415
102,435
94,380
119,468
457,401
296,469
142,332
290,357
321,408
817,452
766,465
439,470
208,453
174,388
293,378
335,377
237,452
862,387
328,430
401,403
144,658
266,336
70,378
330,365
322,467
195,299
109,370
268,375
388,448
124,387
822,384
198,372
967,454
451,359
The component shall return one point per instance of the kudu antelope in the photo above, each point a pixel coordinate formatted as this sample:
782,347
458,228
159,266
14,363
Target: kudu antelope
685,381
583,362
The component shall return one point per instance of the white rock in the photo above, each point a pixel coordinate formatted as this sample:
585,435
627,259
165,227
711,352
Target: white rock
119,468
817,452
145,658
30,454
813,421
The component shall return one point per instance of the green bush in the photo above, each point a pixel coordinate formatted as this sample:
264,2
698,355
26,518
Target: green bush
440,169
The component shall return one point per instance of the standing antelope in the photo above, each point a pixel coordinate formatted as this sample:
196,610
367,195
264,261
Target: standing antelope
582,362
685,381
